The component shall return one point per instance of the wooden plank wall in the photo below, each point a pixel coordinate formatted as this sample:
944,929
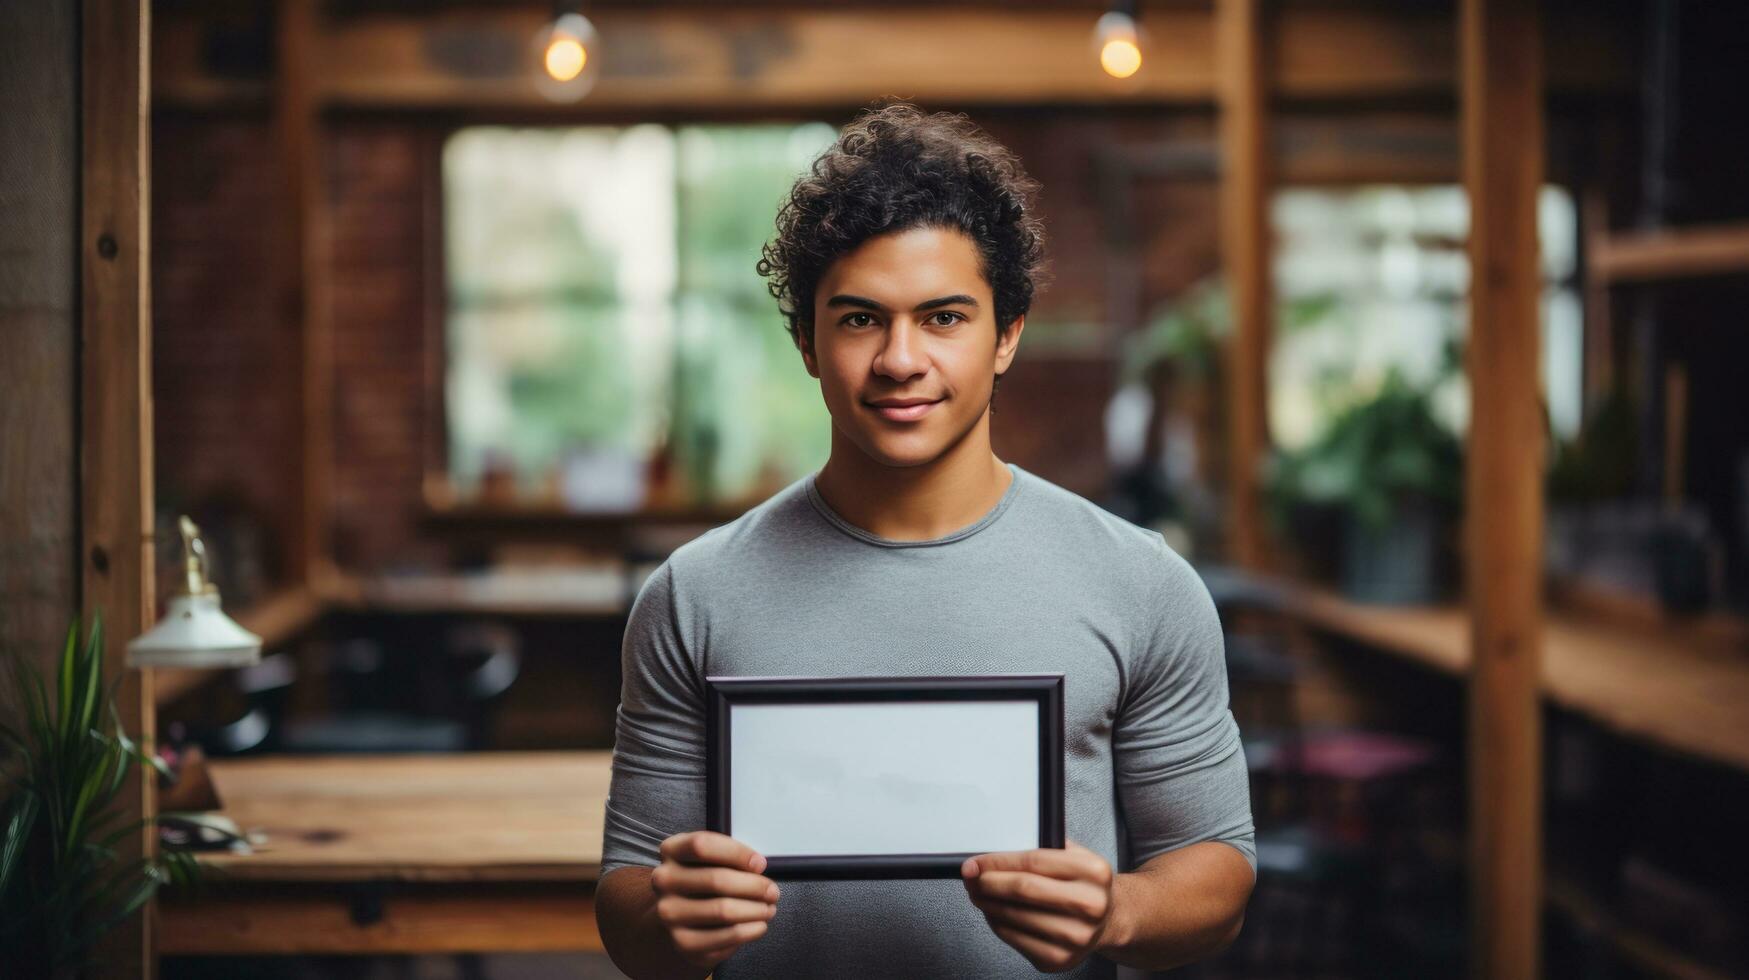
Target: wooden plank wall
115,441
39,216
1502,106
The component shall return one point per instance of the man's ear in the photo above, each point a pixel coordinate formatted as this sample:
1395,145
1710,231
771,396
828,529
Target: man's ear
813,366
1009,344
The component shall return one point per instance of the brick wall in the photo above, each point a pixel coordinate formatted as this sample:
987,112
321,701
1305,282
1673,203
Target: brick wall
225,354
377,174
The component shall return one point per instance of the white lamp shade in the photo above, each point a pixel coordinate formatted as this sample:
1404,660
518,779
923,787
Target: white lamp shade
194,633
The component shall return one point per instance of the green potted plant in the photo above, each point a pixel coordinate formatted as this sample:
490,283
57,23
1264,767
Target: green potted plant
1178,357
63,882
1391,476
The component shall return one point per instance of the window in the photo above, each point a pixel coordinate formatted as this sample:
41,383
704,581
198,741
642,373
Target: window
1374,279
603,304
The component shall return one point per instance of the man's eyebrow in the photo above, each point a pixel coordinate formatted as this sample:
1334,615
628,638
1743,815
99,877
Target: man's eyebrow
958,299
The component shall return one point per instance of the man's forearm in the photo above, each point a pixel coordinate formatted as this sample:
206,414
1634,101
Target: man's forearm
625,911
1179,907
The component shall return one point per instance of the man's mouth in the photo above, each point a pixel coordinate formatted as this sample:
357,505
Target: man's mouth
903,409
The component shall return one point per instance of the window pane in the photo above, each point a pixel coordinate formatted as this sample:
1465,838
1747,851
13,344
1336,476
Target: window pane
1373,280
604,298
560,261
752,417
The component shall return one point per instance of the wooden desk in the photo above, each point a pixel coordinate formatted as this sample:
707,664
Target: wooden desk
481,852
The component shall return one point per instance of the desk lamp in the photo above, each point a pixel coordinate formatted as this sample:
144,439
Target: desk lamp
194,632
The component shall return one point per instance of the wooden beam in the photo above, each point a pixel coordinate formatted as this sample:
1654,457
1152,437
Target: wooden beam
675,57
1670,254
1245,256
40,565
115,392
304,272
1501,45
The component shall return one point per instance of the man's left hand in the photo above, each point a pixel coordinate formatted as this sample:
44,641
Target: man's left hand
1054,906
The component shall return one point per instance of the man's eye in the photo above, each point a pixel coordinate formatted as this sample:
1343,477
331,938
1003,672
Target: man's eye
859,320
952,318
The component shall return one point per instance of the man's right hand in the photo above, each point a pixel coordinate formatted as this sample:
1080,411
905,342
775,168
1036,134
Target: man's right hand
711,896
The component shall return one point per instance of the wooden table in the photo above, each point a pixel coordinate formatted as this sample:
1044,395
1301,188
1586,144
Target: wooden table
478,852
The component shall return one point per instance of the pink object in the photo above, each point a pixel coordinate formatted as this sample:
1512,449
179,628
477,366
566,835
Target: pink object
1355,755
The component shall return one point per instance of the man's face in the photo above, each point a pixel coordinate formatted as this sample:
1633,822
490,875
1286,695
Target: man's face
907,318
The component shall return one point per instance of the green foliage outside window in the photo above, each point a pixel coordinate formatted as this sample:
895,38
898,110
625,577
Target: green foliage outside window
603,301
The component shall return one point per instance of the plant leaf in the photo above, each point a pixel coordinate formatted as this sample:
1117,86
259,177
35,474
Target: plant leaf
115,836
93,676
65,692
143,757
25,808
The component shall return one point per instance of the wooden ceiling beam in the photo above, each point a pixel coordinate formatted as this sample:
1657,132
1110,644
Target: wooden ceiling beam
664,58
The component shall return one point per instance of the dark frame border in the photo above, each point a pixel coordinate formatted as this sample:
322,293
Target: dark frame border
722,694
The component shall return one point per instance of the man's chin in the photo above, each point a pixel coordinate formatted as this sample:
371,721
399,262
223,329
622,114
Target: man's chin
903,456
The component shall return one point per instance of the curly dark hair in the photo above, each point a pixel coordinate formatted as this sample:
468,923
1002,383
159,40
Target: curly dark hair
893,169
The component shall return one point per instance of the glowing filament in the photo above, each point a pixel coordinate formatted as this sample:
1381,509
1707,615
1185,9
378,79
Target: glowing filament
565,58
1120,57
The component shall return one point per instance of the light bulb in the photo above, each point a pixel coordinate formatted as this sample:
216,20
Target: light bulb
566,58
1120,44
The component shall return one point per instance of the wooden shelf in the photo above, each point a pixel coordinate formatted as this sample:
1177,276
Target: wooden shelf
1567,896
1674,254
1645,951
276,619
517,592
1679,684
492,525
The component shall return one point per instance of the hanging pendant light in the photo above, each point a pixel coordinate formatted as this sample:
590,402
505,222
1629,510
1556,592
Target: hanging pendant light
567,56
194,632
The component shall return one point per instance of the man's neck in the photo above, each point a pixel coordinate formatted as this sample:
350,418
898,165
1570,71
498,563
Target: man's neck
915,503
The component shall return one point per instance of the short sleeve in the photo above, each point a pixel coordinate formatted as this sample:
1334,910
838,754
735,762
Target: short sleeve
657,788
1180,769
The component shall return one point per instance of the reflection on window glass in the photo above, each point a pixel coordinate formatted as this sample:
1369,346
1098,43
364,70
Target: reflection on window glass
1390,266
604,314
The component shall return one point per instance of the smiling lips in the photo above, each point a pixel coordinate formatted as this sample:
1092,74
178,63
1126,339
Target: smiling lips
903,409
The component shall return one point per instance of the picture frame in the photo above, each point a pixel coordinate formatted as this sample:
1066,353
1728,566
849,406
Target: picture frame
884,777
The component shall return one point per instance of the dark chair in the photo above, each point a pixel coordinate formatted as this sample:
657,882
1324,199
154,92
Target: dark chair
413,703
1326,802
265,687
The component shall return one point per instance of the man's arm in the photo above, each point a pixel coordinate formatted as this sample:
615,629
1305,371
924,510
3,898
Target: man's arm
636,941
678,920
672,900
1178,908
1057,907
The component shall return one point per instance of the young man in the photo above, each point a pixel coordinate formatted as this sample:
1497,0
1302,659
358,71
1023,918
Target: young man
905,264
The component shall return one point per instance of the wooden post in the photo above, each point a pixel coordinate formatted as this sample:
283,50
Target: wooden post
1501,52
304,273
115,392
1245,255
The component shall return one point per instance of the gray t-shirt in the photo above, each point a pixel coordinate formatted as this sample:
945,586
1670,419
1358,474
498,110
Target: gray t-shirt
1045,582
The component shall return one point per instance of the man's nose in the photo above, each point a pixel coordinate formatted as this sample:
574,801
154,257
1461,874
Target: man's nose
902,356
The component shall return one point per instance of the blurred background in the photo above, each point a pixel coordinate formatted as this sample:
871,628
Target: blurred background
456,334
